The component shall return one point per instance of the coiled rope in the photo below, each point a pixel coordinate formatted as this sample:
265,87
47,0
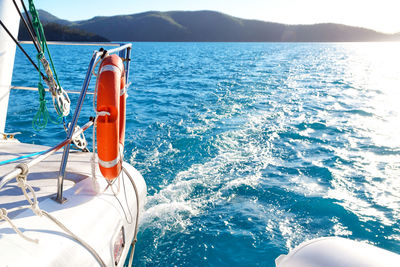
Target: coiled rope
41,118
61,101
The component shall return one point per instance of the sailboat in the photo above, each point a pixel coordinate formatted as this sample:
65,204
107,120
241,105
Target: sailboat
65,207
62,207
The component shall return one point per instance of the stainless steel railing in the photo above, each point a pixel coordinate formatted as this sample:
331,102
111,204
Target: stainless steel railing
18,170
96,55
124,52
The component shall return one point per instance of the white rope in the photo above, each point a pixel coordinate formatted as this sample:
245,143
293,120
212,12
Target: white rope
137,215
96,186
110,183
3,216
95,65
82,242
21,181
5,181
126,201
101,113
34,206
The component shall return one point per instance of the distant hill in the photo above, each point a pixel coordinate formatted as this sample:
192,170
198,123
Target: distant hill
211,26
46,17
58,30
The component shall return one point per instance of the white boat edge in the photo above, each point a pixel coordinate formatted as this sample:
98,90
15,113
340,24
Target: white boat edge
337,251
104,217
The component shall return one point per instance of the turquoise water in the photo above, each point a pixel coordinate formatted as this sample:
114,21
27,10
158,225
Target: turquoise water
249,149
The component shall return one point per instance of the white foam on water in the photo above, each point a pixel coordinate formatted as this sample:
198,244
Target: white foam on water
175,203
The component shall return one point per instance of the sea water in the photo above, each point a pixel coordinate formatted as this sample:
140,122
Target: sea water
248,149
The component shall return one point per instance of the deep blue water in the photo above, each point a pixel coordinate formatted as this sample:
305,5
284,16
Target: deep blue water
249,149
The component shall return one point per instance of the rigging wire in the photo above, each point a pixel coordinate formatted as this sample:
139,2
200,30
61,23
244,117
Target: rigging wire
27,14
26,25
38,27
23,50
61,101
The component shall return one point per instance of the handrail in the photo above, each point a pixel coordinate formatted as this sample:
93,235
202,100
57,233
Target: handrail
96,55
115,50
71,134
17,171
61,174
73,43
27,88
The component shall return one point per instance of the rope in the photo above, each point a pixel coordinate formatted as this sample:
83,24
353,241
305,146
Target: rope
126,202
34,206
137,215
22,50
94,68
42,116
93,158
26,24
82,242
93,168
61,101
3,216
38,27
102,113
21,179
110,185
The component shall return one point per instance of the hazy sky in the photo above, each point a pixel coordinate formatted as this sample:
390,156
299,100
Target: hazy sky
380,15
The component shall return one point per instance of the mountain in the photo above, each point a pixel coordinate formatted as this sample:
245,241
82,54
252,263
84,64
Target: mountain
58,30
211,26
46,17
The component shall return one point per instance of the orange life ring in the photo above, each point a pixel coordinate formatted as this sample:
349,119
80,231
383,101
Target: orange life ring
111,97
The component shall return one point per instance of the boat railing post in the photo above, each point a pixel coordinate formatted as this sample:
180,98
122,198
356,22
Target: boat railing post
126,55
61,174
17,170
128,61
123,50
121,53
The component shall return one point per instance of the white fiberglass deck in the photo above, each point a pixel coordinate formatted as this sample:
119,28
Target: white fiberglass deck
94,217
42,177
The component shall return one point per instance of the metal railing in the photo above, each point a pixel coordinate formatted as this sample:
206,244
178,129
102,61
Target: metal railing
96,55
18,169
28,88
124,51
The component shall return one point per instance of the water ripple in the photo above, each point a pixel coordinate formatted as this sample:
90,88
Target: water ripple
251,149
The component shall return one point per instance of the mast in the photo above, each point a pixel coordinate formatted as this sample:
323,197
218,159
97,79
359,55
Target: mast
10,18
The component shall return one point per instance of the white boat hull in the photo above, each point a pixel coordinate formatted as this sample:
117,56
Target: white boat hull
335,252
96,218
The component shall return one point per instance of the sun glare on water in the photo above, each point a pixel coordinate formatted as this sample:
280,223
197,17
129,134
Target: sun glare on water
375,68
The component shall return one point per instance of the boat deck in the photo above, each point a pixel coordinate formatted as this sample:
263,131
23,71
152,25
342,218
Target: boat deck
43,176
95,212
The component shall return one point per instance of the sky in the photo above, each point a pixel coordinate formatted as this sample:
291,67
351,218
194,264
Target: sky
379,15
